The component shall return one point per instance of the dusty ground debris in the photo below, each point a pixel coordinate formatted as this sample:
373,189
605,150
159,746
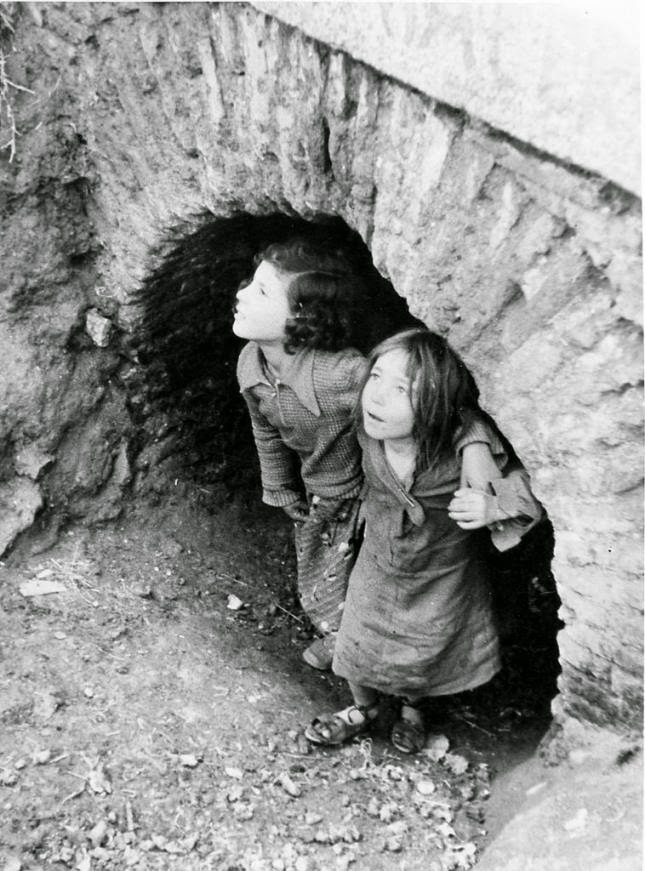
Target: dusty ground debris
165,731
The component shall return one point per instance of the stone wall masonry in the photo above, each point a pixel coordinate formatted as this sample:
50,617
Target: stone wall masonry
530,267
563,77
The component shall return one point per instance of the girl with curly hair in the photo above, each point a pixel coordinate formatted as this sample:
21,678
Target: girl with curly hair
304,313
418,619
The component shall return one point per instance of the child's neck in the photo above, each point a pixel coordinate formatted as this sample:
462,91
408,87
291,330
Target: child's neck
274,354
402,456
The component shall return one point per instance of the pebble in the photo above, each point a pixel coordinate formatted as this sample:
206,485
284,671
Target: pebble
425,787
8,778
98,833
436,747
42,757
394,844
289,786
189,760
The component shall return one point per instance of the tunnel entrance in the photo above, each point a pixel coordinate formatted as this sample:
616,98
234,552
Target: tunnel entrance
188,396
194,425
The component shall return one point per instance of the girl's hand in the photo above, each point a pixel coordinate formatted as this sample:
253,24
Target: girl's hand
297,511
473,509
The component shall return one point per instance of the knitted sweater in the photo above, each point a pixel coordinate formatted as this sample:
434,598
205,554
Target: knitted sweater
303,424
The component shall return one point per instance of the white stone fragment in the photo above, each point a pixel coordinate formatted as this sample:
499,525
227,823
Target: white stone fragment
98,328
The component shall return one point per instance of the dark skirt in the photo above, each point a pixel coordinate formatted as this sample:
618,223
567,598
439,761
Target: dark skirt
418,634
326,548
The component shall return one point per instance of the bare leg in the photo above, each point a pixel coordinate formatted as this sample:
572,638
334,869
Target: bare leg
363,696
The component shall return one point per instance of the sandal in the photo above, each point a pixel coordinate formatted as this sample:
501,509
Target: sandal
321,653
329,730
408,733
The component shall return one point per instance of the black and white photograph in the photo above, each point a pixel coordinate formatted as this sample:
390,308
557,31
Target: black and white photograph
321,436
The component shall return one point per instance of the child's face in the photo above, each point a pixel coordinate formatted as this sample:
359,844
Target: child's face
262,306
387,398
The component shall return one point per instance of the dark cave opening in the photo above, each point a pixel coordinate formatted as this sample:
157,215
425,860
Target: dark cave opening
194,422
186,345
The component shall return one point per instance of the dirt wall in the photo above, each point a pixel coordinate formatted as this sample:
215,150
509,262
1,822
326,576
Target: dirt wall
143,114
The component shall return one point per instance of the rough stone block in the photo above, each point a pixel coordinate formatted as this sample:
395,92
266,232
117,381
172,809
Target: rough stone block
20,500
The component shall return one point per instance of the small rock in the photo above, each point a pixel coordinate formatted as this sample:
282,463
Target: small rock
8,778
98,328
372,807
387,812
98,834
88,692
41,587
60,636
289,786
189,760
42,757
19,764
436,747
394,844
233,603
400,827
237,773
312,819
235,793
12,864
99,781
425,787
457,764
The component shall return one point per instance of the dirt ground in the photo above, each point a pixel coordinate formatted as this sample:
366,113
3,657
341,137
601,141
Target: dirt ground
152,715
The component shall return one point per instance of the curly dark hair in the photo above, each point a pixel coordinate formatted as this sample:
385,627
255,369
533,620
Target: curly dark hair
325,295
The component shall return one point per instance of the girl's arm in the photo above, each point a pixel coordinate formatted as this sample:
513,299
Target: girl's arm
279,466
504,503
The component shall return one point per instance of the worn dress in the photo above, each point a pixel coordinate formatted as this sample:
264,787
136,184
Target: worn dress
418,618
307,447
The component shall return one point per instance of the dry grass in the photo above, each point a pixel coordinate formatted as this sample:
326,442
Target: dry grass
8,128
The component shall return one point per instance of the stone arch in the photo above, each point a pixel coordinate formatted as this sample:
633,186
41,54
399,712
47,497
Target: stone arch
193,420
529,264
185,343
